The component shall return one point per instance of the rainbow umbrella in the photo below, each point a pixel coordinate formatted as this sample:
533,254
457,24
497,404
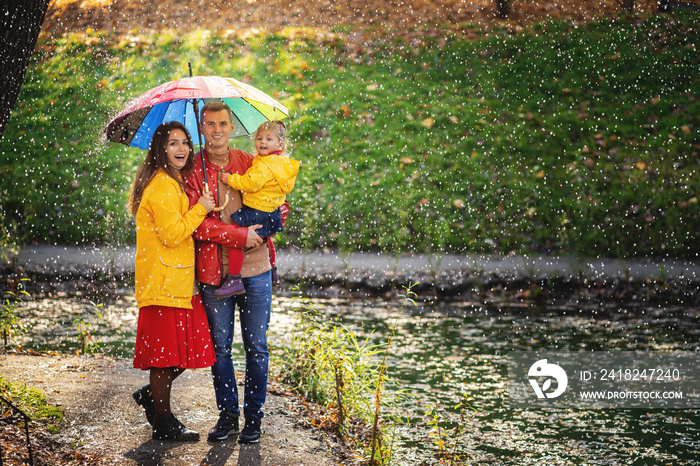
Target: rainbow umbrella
180,100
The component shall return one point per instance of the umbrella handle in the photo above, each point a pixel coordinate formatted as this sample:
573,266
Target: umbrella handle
216,209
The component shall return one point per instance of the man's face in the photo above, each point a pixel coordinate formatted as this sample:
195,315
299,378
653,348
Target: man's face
216,128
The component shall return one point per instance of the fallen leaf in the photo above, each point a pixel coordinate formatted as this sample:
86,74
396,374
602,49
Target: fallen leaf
428,122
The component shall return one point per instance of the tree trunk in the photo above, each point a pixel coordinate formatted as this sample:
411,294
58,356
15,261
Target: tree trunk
503,8
20,27
628,5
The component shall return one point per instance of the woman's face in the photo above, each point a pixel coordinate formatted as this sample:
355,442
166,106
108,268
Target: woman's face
176,149
267,141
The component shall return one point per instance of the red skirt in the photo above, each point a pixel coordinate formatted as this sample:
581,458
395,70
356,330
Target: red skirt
173,337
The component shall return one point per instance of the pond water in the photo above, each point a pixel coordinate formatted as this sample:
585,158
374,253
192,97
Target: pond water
441,352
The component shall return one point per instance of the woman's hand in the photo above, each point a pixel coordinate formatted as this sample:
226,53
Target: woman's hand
207,201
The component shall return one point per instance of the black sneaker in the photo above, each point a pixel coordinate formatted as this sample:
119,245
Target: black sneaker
144,398
225,426
251,432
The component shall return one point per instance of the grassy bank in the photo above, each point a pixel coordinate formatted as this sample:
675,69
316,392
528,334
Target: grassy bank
567,138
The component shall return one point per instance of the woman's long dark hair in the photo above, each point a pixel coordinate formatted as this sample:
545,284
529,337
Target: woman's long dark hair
156,159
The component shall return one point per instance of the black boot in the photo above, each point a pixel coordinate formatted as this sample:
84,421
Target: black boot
144,398
251,432
167,427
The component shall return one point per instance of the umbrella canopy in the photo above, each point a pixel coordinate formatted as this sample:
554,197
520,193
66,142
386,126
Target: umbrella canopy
177,100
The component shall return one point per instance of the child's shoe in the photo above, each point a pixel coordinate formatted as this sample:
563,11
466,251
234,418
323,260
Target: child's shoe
233,284
275,277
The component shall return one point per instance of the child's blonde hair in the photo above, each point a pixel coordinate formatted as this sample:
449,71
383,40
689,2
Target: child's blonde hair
278,128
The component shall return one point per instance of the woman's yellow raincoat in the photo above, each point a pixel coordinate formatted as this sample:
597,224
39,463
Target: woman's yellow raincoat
164,245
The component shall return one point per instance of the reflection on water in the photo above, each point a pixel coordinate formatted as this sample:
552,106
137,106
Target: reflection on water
440,353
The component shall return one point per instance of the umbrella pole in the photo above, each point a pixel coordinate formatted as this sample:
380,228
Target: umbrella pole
199,134
201,149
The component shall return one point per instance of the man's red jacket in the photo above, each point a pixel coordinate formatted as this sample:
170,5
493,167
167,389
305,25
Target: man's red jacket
213,232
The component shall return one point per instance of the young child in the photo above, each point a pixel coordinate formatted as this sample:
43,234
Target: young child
263,190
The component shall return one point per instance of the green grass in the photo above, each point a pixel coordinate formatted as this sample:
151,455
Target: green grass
569,139
32,402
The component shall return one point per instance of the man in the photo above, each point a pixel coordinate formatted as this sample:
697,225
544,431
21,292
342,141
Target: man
213,238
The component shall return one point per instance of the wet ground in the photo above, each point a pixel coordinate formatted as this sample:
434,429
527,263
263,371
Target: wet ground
73,259
548,281
103,420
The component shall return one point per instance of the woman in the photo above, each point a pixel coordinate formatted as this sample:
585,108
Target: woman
173,333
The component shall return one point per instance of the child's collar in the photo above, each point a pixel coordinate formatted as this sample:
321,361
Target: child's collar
274,152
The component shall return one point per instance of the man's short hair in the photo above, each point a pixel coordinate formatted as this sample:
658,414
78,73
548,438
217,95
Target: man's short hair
216,106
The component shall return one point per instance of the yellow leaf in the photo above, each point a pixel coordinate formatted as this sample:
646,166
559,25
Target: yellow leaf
428,122
459,203
641,165
372,87
406,160
539,175
685,129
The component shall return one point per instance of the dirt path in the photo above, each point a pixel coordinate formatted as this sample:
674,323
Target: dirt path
95,394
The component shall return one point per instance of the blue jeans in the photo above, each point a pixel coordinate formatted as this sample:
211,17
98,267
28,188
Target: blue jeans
254,314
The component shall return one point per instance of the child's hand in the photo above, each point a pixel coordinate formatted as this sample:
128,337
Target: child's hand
223,176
